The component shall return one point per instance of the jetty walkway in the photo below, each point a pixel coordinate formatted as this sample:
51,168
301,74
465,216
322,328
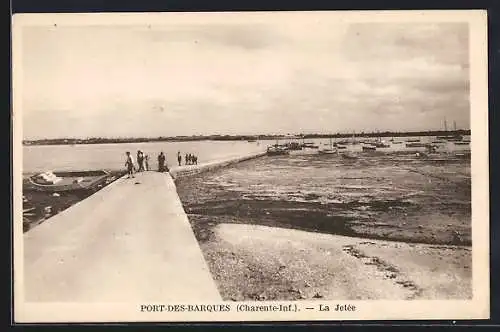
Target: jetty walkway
130,241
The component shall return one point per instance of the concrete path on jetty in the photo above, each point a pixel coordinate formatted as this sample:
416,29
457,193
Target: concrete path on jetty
130,241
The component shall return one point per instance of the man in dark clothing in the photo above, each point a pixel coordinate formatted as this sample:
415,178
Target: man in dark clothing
179,158
140,160
161,162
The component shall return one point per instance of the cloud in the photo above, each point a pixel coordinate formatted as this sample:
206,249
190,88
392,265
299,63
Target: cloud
243,78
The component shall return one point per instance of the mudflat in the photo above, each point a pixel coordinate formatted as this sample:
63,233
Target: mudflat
313,227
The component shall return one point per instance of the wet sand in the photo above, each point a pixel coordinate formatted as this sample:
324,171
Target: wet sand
252,262
409,241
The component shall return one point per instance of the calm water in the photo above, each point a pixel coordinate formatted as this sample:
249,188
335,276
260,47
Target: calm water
111,156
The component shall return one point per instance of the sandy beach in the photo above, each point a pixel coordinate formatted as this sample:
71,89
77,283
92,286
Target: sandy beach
251,262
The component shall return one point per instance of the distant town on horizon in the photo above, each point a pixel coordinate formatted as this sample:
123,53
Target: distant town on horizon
218,137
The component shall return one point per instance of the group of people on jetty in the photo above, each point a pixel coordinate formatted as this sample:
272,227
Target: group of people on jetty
143,162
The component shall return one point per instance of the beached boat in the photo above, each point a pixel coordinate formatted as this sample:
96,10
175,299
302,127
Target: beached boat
340,146
293,146
369,148
461,143
380,145
309,145
276,150
67,181
413,140
416,145
330,150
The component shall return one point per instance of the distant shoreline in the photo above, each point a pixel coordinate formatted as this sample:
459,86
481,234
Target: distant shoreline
101,140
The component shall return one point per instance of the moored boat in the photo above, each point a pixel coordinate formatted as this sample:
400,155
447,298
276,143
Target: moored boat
67,181
369,148
309,145
416,145
293,146
275,150
330,150
380,145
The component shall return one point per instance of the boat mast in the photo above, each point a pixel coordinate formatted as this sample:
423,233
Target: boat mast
454,125
445,125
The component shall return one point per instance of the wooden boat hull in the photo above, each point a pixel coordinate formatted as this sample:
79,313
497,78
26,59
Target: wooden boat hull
369,148
327,152
69,181
416,145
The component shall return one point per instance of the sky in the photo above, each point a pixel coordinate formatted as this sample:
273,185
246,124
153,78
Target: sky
243,77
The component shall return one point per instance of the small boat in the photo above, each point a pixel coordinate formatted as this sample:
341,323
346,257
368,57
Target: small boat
276,150
380,145
396,142
67,181
293,146
461,143
251,141
416,145
309,145
330,150
369,148
413,140
341,147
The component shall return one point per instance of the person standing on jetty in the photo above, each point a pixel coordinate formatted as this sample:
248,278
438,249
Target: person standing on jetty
146,162
140,160
179,158
161,162
186,159
129,163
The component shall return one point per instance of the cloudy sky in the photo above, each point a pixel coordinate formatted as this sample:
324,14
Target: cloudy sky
243,77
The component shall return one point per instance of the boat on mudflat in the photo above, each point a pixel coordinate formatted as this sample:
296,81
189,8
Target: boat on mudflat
380,145
369,148
416,145
276,150
67,181
309,145
330,150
